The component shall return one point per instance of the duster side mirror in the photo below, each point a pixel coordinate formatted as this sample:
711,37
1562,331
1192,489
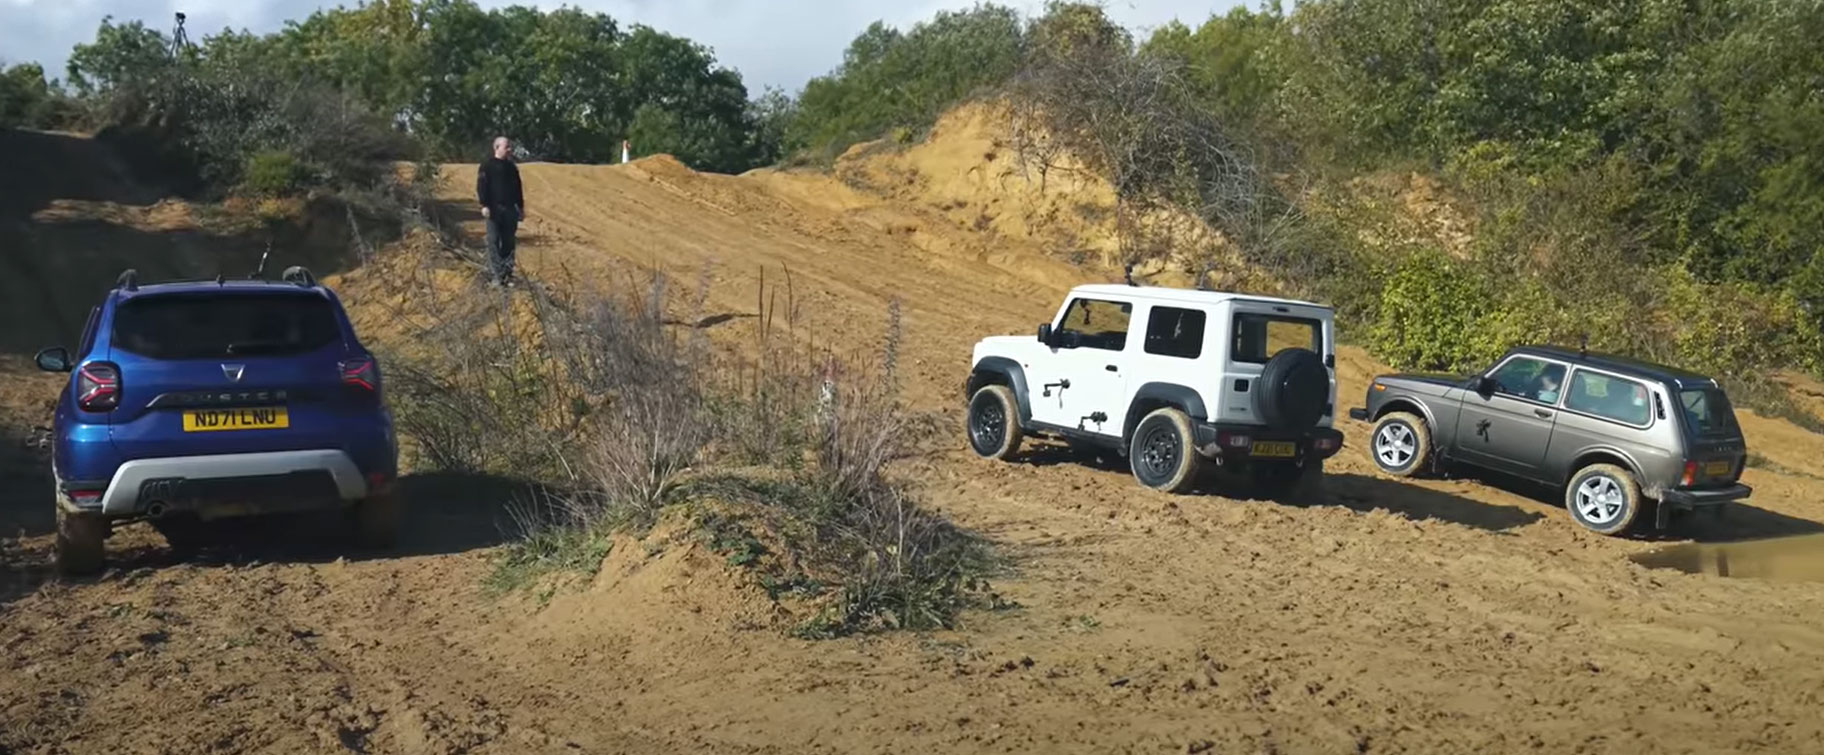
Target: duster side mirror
55,359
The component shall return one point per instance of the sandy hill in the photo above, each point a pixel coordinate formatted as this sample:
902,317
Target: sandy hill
951,226
1440,616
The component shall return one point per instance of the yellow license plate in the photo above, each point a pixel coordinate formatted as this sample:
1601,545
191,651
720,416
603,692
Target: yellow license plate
1719,468
209,420
1275,449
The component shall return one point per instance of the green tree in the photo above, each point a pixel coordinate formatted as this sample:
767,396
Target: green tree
566,84
1231,60
374,51
1075,30
121,54
890,79
772,114
704,107
27,100
1730,134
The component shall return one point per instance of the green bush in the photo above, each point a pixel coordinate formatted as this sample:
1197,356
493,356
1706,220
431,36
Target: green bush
28,101
1439,313
272,173
1731,329
1436,313
620,417
202,128
544,551
891,78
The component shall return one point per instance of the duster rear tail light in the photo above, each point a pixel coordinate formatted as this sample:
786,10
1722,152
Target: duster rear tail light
361,374
98,387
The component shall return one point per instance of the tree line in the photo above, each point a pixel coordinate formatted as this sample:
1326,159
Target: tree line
1650,172
447,75
1647,173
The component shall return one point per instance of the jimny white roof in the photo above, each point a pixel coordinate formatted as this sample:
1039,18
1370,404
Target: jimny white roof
1182,295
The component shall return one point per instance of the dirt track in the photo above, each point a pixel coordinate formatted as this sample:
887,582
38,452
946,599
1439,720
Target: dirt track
1448,616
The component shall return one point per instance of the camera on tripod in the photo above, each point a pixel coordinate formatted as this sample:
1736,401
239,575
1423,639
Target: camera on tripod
179,40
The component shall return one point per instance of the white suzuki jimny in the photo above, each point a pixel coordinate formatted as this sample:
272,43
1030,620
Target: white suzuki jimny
1246,383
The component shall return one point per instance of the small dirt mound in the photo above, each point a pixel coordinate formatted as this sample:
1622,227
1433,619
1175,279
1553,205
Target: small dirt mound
664,588
660,166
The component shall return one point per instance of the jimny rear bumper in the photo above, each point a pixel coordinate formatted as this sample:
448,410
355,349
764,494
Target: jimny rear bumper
1260,444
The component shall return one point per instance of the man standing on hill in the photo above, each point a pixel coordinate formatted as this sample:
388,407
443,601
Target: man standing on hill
503,203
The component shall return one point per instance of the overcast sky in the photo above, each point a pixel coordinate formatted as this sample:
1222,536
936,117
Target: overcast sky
781,43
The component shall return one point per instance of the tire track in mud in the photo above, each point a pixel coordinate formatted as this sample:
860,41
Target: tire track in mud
1424,634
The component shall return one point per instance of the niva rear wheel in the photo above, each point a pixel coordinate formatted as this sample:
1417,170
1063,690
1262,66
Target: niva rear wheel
1604,499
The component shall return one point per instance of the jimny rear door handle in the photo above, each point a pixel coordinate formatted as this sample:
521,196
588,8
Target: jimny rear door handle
1111,368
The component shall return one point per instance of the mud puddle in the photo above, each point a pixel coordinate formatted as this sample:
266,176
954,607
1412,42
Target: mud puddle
1786,559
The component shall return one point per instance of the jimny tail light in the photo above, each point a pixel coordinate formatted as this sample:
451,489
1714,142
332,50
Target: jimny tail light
1228,439
98,387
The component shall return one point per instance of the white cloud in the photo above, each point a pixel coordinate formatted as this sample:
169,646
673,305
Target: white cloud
774,43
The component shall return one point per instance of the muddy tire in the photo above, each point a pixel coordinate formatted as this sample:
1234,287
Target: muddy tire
1605,499
376,520
1290,484
1400,445
1163,454
993,423
81,542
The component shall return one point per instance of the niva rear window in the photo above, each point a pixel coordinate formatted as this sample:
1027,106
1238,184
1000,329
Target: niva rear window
222,327
1707,412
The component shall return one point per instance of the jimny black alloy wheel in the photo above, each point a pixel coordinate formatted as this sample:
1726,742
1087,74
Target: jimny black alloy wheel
994,426
1161,452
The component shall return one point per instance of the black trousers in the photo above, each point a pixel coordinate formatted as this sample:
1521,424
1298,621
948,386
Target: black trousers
503,223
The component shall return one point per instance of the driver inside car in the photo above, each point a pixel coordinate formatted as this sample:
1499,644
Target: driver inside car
1548,388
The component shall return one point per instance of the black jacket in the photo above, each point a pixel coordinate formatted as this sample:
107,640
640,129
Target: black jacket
497,185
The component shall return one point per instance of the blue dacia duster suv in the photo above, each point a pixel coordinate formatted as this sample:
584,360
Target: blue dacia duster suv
198,400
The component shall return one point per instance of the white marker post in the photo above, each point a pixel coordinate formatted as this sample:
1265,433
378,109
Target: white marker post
623,150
